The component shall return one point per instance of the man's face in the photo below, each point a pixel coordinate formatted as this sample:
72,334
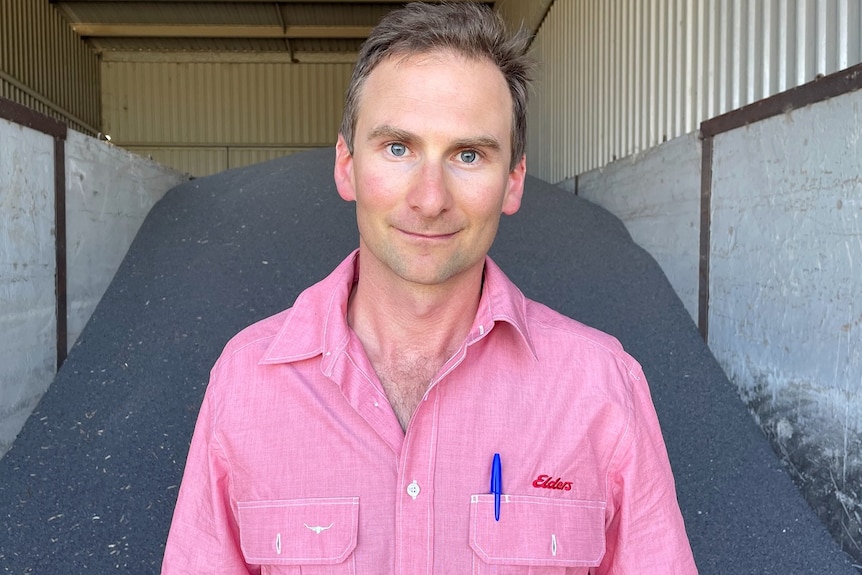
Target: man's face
430,166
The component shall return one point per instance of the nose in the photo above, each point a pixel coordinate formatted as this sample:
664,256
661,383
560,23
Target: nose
429,194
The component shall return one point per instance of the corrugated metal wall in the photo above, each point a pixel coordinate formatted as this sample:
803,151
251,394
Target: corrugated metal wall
204,117
620,76
46,67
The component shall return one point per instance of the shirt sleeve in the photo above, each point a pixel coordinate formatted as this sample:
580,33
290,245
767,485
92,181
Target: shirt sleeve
204,536
645,531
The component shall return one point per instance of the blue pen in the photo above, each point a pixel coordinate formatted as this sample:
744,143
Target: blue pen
496,484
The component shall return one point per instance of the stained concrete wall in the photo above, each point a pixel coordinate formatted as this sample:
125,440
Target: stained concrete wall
656,194
785,278
785,316
108,194
28,323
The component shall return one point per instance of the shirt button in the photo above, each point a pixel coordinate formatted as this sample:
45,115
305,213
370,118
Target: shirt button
413,489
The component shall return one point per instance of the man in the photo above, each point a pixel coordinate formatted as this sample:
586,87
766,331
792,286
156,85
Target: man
361,430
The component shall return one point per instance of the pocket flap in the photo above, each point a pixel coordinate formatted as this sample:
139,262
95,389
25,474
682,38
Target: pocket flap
298,531
538,531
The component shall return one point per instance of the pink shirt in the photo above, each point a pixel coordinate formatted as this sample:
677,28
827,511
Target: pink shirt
298,463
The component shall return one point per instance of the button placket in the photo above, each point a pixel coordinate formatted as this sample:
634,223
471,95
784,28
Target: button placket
416,521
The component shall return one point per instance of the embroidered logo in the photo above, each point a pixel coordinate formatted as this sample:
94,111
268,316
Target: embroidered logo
548,482
319,529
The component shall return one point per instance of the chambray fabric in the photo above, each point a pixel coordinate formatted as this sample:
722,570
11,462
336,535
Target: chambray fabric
299,465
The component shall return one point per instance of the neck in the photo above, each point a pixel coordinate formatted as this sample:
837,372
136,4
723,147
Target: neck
393,318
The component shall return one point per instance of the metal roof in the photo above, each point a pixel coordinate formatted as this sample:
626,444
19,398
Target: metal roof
310,30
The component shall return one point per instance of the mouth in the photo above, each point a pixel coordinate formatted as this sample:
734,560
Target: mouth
427,235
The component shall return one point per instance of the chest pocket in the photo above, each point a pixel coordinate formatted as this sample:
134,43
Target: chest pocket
536,535
307,536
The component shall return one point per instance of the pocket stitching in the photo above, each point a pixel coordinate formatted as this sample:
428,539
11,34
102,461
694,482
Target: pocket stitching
270,559
485,556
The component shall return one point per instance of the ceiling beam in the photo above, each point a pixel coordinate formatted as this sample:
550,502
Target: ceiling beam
89,30
230,57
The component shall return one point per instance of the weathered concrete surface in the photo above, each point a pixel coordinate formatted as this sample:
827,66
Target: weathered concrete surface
656,194
786,294
108,194
786,273
28,324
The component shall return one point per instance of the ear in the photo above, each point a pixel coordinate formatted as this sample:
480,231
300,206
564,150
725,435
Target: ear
515,187
344,170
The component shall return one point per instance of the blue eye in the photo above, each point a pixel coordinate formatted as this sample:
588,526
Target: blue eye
397,150
468,156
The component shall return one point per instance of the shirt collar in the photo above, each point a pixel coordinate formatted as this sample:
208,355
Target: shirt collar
501,301
317,324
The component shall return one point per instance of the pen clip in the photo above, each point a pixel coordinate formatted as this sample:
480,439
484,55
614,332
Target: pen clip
496,475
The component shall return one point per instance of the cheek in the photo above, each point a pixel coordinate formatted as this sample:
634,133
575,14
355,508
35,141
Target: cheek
371,178
371,192
488,200
375,198
382,186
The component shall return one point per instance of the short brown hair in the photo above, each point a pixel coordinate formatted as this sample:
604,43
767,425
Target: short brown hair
467,28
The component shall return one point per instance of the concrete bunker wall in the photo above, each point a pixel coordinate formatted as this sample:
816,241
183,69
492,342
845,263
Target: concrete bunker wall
776,277
108,193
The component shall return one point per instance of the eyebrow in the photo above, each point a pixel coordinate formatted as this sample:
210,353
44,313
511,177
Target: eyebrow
389,132
486,142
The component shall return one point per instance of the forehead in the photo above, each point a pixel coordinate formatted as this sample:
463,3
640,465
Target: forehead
434,83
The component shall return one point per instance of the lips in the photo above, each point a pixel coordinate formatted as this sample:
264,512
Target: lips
431,236
427,235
